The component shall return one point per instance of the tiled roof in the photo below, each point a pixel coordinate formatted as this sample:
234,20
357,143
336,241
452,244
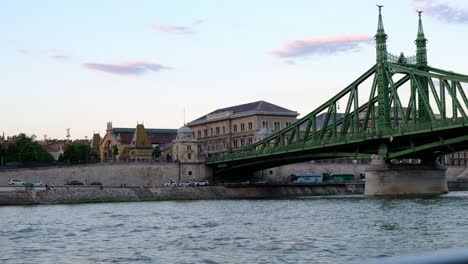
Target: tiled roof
140,138
148,130
155,136
253,108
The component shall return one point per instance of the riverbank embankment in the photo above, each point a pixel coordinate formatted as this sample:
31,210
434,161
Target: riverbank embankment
23,196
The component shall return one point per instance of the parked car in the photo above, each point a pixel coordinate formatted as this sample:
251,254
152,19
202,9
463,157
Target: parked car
185,184
202,183
170,184
37,183
75,182
95,183
17,182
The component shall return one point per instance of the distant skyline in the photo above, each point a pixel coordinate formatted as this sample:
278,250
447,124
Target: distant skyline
81,64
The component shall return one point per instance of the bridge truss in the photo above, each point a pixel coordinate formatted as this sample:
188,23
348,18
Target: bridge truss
412,110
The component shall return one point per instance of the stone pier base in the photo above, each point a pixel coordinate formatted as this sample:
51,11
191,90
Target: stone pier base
386,179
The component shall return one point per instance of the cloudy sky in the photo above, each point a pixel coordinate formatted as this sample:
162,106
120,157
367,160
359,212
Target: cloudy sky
79,64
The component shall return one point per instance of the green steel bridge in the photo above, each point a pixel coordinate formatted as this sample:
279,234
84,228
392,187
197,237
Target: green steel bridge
413,110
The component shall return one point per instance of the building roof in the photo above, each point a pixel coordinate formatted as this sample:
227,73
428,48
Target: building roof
148,130
259,107
140,138
155,135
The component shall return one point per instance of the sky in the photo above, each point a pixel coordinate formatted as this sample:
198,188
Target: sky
80,64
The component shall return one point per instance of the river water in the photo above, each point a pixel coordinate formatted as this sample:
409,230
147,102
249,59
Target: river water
302,230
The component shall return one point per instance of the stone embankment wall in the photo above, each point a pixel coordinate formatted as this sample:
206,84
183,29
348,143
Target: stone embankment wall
282,172
155,174
113,194
111,174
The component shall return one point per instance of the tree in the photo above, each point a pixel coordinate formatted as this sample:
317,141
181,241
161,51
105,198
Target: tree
156,152
26,150
78,152
115,151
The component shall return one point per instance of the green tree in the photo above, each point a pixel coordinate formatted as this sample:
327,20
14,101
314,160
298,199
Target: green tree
27,150
78,152
115,152
156,152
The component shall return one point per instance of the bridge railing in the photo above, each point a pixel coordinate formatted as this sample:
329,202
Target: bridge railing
343,139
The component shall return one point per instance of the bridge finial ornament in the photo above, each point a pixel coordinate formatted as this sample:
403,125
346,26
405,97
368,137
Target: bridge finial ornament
421,41
381,39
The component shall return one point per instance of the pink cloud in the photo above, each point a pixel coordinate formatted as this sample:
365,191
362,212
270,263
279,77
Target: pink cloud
323,45
127,68
173,29
442,10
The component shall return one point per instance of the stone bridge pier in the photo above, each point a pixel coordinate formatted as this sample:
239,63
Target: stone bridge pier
387,179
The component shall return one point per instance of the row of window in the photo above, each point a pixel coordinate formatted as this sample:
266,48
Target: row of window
217,130
236,143
189,147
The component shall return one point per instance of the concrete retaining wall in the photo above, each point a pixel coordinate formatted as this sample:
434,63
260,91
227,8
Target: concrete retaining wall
112,174
94,194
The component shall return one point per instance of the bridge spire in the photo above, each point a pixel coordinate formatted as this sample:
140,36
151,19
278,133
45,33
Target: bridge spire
421,41
421,61
382,79
381,39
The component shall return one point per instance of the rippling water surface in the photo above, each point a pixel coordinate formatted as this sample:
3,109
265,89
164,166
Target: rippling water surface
306,230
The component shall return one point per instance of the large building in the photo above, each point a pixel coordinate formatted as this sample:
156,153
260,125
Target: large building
231,128
133,143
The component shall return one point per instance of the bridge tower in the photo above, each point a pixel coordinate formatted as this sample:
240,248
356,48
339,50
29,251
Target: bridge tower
422,82
383,177
382,80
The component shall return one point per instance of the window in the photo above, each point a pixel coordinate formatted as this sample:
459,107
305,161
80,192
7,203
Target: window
250,125
265,124
199,133
250,140
205,132
189,156
217,130
234,143
211,131
276,125
242,142
287,124
242,127
190,172
234,128
189,147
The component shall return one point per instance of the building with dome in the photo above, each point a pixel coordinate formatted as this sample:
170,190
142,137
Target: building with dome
184,147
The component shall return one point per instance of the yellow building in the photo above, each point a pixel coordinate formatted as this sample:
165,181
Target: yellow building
231,128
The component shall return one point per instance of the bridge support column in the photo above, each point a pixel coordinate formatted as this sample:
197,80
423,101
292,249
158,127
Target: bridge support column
386,179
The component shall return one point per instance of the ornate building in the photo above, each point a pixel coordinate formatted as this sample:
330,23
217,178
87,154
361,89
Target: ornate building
234,127
133,143
184,148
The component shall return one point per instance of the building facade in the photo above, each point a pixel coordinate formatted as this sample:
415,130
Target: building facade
185,147
133,143
228,129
